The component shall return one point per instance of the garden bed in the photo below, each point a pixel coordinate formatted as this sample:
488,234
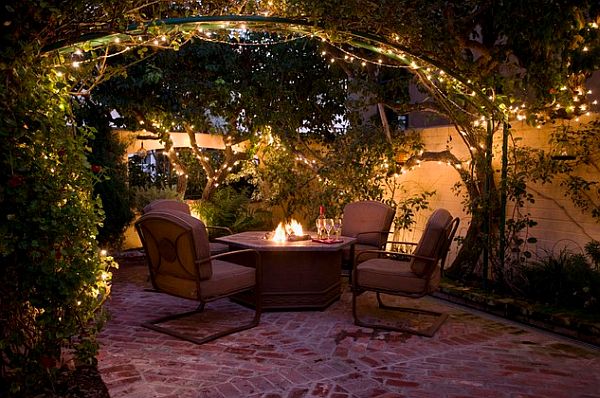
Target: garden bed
570,323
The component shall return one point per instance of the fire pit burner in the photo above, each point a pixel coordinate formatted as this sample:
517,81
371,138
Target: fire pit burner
290,232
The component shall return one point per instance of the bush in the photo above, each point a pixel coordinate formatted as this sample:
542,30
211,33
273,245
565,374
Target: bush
592,249
53,277
565,280
140,197
106,159
229,208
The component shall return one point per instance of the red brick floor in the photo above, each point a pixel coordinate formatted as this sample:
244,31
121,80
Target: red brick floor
323,354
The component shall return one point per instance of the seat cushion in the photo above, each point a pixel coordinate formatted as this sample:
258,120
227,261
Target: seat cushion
227,278
392,275
176,286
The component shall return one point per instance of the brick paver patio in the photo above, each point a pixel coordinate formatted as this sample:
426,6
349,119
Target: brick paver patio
322,354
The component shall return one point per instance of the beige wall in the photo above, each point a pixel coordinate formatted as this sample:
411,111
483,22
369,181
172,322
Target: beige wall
560,224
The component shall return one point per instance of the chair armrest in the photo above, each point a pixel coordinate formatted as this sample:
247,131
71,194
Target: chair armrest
372,232
237,252
382,240
257,261
224,230
398,242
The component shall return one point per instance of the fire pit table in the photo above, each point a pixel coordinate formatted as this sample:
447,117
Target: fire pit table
296,274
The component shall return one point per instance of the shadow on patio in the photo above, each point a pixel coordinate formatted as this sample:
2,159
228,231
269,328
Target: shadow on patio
323,354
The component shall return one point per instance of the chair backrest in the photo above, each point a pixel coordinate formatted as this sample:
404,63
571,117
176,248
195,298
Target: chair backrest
368,216
167,205
434,243
177,250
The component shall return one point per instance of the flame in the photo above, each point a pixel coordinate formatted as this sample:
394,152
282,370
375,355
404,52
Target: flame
283,231
280,234
295,227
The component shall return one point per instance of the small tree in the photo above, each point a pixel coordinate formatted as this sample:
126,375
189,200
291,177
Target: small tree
228,89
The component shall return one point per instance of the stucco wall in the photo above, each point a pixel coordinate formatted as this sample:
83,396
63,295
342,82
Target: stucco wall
560,224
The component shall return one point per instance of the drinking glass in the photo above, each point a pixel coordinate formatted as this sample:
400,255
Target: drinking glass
328,226
337,227
320,223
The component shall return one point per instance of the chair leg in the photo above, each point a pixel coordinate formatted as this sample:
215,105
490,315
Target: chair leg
153,325
440,318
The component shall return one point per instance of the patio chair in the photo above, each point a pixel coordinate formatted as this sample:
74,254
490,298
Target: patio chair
369,222
177,254
412,275
213,231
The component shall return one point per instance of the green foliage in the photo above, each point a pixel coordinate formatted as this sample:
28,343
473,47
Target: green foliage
238,92
352,166
196,175
232,209
141,196
592,249
53,278
106,159
565,280
144,174
408,207
583,189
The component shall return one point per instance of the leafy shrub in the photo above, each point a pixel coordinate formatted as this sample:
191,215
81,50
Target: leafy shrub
140,196
230,208
592,249
566,280
106,159
53,277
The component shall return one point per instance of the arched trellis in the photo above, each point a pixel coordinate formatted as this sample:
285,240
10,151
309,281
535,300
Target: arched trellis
436,77
152,33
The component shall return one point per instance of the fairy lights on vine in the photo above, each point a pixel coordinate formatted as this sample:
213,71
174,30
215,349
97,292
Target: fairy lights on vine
385,56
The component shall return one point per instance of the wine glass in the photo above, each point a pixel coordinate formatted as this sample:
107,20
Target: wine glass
337,227
328,226
320,223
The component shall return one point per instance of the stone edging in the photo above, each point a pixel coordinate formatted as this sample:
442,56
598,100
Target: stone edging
524,312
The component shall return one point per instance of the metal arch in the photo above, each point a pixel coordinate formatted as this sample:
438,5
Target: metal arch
356,38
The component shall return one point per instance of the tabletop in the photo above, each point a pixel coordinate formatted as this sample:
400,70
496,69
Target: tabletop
257,240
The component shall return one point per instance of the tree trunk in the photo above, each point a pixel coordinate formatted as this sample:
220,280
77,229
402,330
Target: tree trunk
182,185
465,265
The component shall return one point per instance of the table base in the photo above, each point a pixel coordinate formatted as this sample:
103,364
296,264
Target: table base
298,280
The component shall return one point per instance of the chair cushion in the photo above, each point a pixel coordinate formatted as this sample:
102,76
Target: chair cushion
432,240
393,276
167,205
176,286
367,216
175,241
227,278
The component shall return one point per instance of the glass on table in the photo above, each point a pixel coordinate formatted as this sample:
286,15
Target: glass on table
320,223
337,227
328,226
